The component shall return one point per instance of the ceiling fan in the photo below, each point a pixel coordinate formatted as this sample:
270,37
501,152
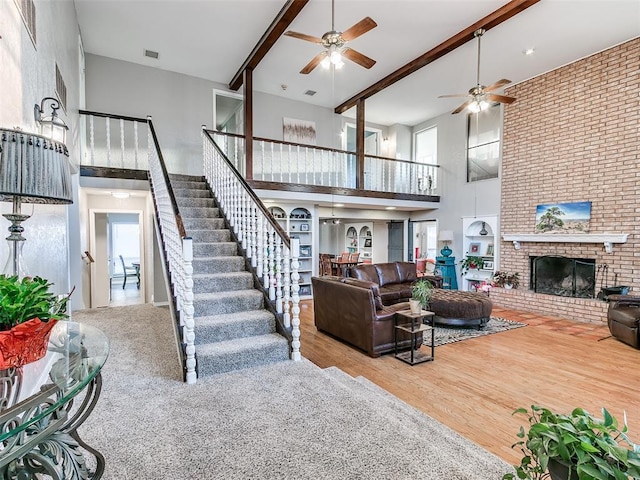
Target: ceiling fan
480,97
334,43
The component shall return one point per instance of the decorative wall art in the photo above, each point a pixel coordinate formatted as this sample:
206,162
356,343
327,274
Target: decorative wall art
474,248
563,217
298,131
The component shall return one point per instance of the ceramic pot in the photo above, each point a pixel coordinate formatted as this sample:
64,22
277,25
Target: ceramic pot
24,343
561,471
415,306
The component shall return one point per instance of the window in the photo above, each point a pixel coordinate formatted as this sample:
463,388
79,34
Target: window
28,12
483,144
426,142
61,89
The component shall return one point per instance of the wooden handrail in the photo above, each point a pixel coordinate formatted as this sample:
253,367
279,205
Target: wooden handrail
165,174
249,190
112,115
328,149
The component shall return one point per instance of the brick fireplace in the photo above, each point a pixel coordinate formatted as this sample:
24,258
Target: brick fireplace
573,135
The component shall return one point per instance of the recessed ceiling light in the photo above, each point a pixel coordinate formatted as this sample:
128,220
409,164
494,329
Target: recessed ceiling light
338,204
120,194
389,208
528,51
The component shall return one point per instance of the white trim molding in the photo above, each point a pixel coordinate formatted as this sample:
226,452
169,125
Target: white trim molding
607,239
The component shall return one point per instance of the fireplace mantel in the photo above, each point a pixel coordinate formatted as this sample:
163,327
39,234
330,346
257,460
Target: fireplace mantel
607,239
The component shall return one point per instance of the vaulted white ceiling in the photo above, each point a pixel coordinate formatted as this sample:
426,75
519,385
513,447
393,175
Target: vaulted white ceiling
212,38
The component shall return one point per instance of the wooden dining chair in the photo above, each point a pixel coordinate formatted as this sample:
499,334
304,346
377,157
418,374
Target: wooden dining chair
353,257
129,272
344,256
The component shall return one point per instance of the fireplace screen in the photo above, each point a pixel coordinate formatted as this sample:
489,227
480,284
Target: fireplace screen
563,276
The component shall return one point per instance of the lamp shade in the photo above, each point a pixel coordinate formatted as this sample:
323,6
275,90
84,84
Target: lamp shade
34,169
446,236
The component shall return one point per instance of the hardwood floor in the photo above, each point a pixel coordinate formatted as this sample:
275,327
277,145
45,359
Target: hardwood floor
473,386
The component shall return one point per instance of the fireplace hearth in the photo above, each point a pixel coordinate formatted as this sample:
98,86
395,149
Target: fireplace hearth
563,276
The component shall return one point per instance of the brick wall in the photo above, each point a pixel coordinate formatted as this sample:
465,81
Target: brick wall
573,134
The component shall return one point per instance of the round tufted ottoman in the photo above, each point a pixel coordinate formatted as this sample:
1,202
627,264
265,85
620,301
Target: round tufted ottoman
462,309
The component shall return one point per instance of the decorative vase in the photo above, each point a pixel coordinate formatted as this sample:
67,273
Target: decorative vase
483,231
24,343
415,306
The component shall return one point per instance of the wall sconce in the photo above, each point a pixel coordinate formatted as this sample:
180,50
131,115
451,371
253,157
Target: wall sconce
446,236
33,169
51,126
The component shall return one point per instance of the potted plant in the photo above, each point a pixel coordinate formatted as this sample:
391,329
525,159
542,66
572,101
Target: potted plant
576,446
506,279
421,294
471,262
28,313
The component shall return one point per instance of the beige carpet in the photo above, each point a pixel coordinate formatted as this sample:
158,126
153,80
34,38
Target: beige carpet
290,420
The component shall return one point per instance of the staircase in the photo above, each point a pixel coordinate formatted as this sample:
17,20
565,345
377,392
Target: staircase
233,330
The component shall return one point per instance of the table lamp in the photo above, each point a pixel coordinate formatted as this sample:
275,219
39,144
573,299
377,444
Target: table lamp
33,169
446,236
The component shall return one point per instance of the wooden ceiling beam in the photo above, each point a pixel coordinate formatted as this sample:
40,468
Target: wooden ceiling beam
289,11
492,20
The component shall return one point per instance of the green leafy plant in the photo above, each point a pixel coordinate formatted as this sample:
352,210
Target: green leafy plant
500,279
470,262
422,291
592,448
22,300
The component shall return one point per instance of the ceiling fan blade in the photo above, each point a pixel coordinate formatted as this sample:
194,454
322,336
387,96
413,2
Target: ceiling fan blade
315,61
358,58
363,26
497,85
500,98
454,95
303,36
462,107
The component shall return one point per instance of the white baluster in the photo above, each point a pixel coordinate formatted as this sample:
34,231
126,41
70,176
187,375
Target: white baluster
108,133
92,141
278,247
272,263
135,145
259,244
286,317
295,309
121,143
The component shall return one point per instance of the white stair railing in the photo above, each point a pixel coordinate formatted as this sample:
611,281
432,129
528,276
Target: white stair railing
178,247
270,250
178,250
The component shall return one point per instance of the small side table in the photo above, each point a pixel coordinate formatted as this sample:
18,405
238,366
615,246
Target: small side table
414,323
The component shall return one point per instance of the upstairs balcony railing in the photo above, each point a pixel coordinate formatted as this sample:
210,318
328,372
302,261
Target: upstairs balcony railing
286,162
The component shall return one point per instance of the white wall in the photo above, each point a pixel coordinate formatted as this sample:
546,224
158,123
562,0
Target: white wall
457,197
27,74
180,104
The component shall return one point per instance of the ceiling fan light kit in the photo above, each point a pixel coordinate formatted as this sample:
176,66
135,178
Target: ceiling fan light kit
334,43
480,96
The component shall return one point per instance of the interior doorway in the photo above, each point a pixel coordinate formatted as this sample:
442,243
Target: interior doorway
116,244
396,242
228,114
372,139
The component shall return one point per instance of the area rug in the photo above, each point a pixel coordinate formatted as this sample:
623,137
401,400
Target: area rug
444,335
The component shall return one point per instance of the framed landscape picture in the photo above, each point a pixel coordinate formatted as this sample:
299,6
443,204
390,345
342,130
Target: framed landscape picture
563,217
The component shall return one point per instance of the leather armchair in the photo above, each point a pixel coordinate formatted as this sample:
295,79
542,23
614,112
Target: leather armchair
623,318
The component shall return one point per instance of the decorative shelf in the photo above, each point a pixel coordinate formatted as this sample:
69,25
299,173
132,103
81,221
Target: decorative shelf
607,239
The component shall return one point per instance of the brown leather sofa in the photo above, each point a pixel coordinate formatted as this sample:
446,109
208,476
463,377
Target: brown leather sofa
623,318
394,279
352,311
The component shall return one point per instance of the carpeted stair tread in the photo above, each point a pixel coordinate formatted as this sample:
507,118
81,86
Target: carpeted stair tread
215,223
241,353
190,185
191,193
217,328
186,177
205,304
215,249
199,212
212,265
195,202
217,282
210,236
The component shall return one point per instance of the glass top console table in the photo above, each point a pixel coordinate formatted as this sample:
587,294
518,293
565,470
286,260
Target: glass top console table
44,402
